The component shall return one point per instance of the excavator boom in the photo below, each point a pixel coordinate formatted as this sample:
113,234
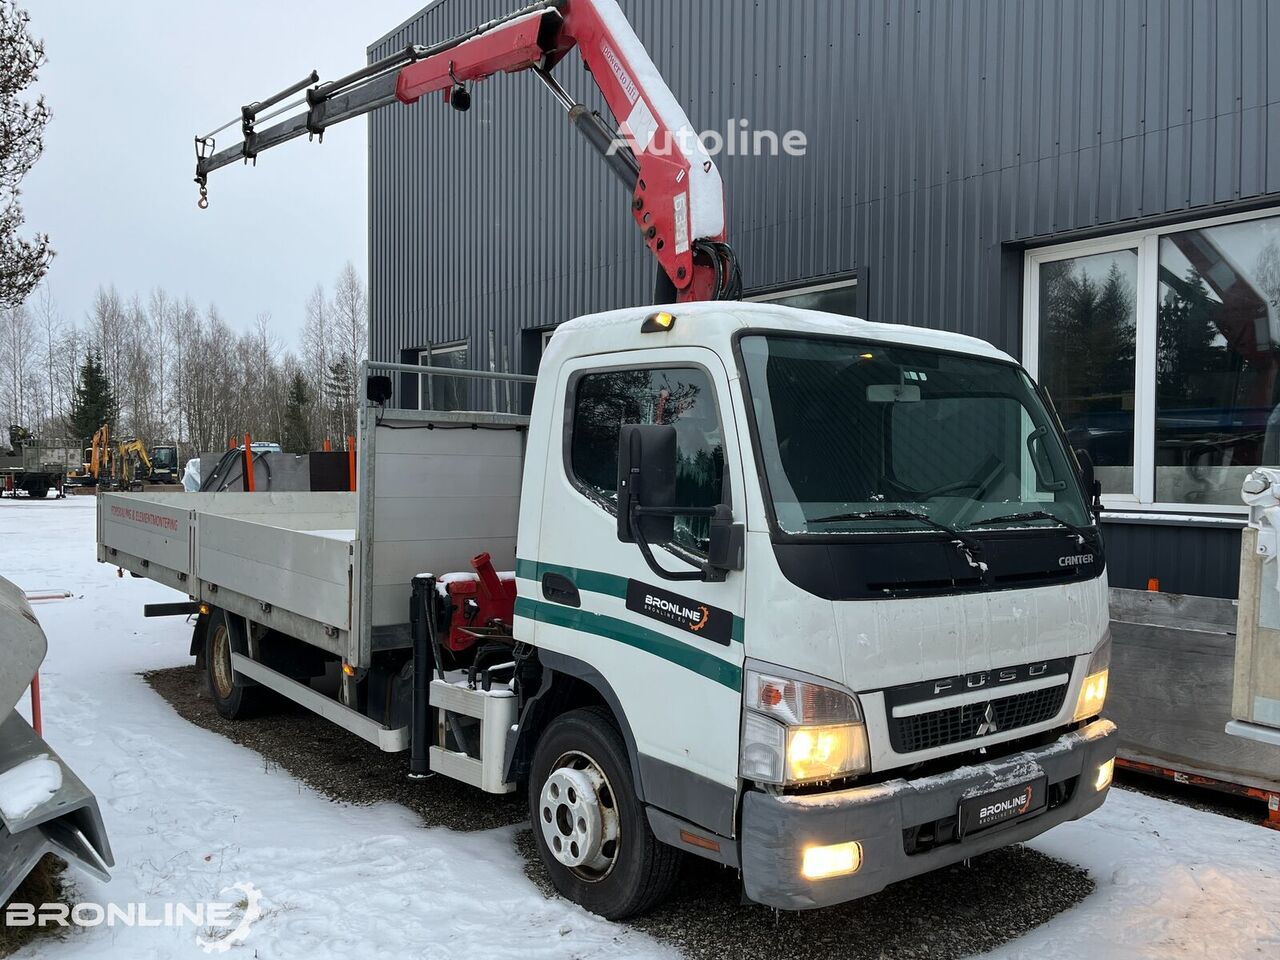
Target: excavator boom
677,196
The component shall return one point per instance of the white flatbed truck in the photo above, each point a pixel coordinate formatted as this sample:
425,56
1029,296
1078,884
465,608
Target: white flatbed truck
819,599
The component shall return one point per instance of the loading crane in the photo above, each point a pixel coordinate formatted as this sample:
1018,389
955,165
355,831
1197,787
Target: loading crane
677,196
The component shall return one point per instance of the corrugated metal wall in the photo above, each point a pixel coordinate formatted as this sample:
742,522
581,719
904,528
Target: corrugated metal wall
942,138
1203,561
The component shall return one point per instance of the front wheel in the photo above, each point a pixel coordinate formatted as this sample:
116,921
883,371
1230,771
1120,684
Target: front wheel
589,826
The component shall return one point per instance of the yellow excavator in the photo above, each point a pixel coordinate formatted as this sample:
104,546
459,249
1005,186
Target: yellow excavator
126,464
130,464
96,460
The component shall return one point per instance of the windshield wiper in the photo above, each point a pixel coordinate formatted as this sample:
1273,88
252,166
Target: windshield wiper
971,548
1080,532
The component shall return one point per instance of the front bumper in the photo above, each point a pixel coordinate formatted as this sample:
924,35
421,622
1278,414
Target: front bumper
777,829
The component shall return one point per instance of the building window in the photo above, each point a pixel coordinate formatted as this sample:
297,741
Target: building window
443,392
838,296
1088,327
1161,351
680,396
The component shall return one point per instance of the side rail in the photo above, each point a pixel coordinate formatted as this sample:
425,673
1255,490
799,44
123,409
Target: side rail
447,389
150,537
435,487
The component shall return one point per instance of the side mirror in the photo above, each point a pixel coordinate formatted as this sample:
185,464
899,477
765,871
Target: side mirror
1092,487
378,389
646,477
727,549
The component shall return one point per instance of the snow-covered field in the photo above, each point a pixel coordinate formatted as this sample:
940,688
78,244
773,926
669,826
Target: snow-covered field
190,815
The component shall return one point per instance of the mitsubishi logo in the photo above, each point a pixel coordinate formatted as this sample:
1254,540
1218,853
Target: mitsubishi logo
988,724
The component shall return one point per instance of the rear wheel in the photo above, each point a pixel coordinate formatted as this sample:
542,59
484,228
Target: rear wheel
235,699
589,826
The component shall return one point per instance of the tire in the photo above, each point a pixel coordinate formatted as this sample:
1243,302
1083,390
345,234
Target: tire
608,860
235,699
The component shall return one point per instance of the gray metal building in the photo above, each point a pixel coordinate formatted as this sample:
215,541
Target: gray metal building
1092,186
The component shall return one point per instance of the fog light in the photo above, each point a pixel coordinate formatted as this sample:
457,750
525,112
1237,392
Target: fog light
835,860
1105,772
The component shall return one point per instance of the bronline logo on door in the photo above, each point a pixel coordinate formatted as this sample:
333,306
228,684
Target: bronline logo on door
695,620
688,614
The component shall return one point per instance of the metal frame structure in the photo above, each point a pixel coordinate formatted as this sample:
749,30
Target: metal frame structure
1141,499
677,196
167,529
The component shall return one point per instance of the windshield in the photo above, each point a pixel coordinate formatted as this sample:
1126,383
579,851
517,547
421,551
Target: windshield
857,436
164,457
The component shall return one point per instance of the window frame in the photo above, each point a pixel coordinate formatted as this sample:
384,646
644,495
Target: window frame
774,294
1141,498
425,355
570,415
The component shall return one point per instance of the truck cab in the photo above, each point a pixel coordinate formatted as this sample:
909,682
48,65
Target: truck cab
164,464
837,582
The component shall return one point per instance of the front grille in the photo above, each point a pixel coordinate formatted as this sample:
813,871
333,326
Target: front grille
925,731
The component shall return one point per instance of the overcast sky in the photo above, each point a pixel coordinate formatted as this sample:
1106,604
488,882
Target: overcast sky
130,82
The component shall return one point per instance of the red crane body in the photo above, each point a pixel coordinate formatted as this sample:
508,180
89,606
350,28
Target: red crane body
677,194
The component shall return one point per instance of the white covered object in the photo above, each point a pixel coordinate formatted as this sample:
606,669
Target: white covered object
191,476
1261,493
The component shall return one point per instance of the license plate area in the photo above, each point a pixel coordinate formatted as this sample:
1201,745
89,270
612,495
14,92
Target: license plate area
1000,806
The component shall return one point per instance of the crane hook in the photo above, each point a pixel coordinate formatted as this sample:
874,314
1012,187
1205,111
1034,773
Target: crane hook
203,202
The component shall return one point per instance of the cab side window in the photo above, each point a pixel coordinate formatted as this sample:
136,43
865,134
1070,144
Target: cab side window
680,396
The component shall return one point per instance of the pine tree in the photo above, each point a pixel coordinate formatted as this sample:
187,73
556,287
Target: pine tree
23,262
297,417
340,390
1188,344
94,403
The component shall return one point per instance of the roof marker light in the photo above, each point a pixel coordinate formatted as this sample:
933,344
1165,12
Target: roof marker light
659,322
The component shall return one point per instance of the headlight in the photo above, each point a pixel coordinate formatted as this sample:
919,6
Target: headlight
1093,693
795,731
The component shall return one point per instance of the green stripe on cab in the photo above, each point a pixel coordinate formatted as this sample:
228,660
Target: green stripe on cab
650,641
593,581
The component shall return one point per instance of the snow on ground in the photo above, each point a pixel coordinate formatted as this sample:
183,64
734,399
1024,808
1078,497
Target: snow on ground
190,815
29,784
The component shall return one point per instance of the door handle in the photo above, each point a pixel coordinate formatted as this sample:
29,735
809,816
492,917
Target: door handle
560,589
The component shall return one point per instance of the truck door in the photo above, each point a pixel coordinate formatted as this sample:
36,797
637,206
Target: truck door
670,652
